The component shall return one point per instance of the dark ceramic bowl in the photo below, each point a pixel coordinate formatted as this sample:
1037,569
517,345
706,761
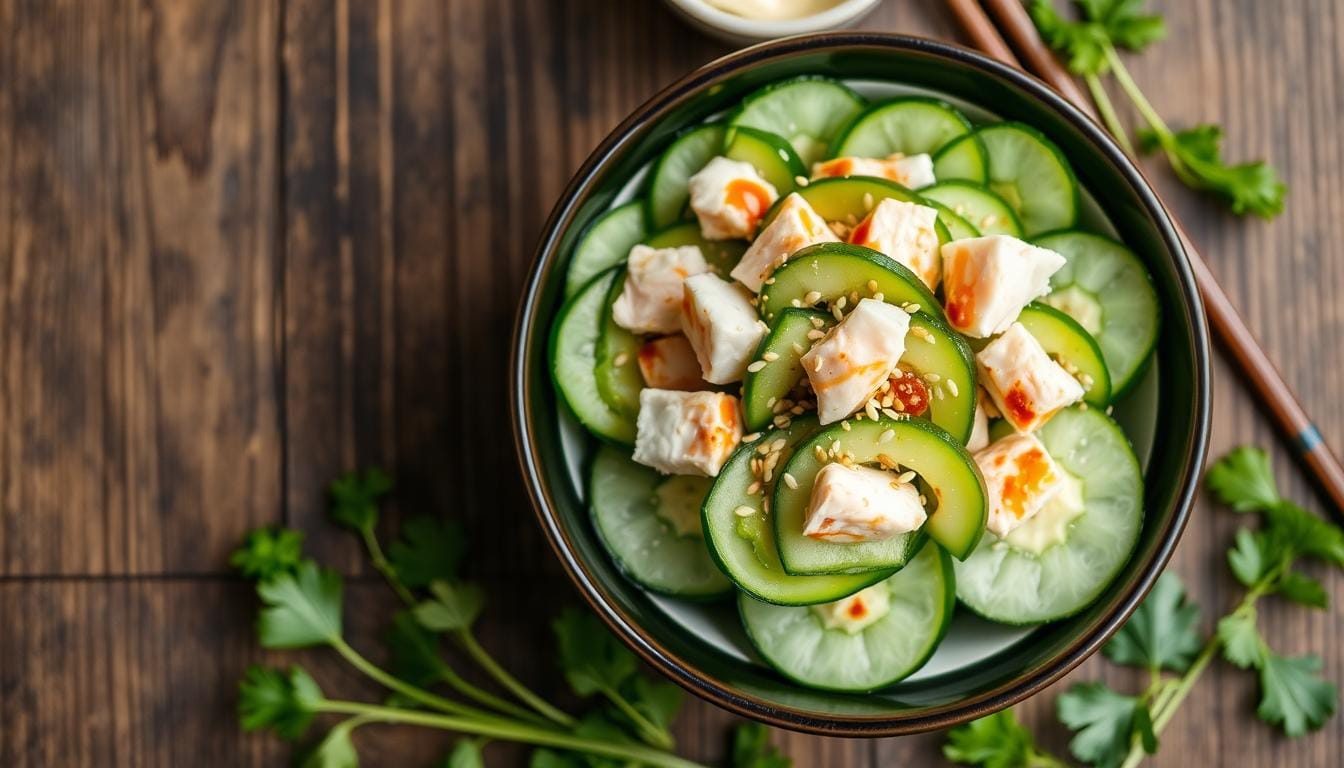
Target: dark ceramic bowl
985,667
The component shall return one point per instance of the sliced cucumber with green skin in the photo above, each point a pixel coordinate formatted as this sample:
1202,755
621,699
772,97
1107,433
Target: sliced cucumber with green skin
832,270
911,126
958,493
626,504
617,372
1028,171
806,111
958,228
743,545
965,158
986,211
1009,585
1107,290
606,243
850,198
796,643
1066,341
762,388
573,351
668,185
770,155
948,357
723,255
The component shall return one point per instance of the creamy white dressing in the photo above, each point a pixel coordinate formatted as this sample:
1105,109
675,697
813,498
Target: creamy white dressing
1050,526
773,10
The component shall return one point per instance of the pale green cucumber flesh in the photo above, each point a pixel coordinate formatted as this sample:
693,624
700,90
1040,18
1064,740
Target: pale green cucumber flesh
910,125
805,111
832,270
1066,341
958,228
1028,171
617,370
771,156
722,255
762,388
965,159
573,352
606,243
949,358
849,199
668,185
986,211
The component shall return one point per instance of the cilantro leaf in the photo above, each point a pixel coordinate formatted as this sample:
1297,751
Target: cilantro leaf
1243,478
546,758
1242,644
466,754
659,701
995,741
1162,633
454,606
336,750
752,748
592,658
355,497
415,652
1197,157
1124,23
270,698
1303,533
1302,589
268,551
1252,558
1293,694
1082,43
1107,723
303,608
427,550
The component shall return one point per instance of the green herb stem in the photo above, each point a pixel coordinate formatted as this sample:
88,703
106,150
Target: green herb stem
507,731
455,681
384,566
391,682
1107,111
510,683
652,734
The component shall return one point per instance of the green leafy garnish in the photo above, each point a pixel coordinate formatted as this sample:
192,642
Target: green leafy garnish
355,497
1302,589
1107,723
1242,645
303,608
1243,480
268,551
752,748
283,702
454,607
1162,633
415,651
591,658
996,741
336,750
466,754
1196,156
1294,695
427,550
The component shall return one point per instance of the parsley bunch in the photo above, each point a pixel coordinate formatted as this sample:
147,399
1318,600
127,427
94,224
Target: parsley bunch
302,608
1090,47
1162,637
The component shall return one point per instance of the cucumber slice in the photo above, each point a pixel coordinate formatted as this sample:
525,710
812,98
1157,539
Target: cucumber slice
573,351
912,125
1074,348
723,255
1107,290
744,545
1028,171
807,111
668,185
964,158
796,643
958,228
832,270
770,155
606,243
939,460
763,388
850,198
1006,584
638,513
935,350
616,370
986,211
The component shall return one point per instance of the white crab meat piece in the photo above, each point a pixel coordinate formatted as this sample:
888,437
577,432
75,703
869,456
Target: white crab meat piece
650,302
686,433
668,362
852,504
729,198
905,232
1026,385
988,280
850,363
722,325
911,171
796,226
1020,477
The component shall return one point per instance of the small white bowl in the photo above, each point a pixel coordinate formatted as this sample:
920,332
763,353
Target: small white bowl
739,29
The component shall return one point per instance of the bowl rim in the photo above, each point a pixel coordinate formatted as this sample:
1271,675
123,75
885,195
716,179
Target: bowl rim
842,12
704,684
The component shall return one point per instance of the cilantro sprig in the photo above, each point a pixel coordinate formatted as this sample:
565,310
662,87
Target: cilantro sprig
1163,638
1090,47
301,607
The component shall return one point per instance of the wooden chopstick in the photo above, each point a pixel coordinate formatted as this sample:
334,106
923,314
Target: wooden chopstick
1228,327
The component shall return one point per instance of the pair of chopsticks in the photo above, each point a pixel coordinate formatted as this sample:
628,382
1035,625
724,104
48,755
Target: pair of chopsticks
1016,25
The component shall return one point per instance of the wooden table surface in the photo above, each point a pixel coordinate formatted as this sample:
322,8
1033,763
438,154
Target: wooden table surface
247,245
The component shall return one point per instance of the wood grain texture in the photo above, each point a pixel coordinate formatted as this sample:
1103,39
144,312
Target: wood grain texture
245,246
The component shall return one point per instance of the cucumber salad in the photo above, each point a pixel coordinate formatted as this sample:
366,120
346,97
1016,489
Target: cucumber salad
852,364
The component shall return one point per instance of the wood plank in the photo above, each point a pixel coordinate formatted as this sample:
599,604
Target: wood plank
139,358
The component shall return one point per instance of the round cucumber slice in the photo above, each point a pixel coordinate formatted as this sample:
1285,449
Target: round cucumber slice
848,199
573,349
1074,348
668,189
795,641
639,516
741,538
1028,171
770,155
616,370
911,126
723,255
956,491
965,158
958,228
806,111
832,270
934,350
606,243
986,211
1005,583
1107,290
788,341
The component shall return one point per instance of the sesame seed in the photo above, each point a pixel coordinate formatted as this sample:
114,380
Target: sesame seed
871,410
798,348
821,452
905,477
620,359
779,444
744,511
845,425
817,322
989,221
952,387
782,421
890,414
754,488
868,201
799,180
770,357
886,461
756,366
923,502
872,286
771,402
911,308
763,448
938,392
789,481
754,436
1110,409
783,155
815,334
835,311
932,378
811,297
1082,406
816,365
796,303
886,437
841,302
769,281
897,403
797,410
